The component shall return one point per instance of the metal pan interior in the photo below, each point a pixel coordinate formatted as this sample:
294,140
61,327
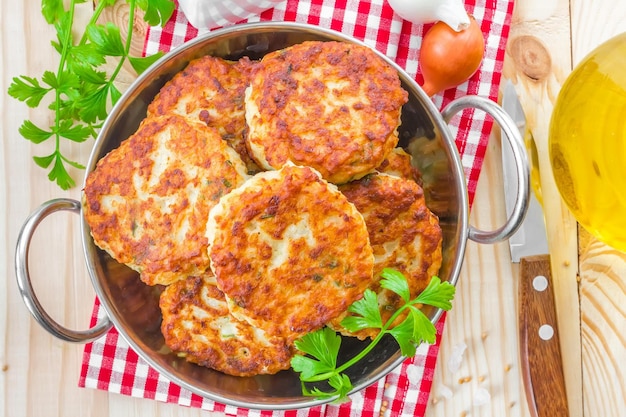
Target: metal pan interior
133,306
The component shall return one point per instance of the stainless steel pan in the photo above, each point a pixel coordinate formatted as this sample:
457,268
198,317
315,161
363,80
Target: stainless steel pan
132,307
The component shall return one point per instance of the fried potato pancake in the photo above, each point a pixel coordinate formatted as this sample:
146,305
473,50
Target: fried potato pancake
398,163
210,90
198,325
289,251
404,235
148,200
333,106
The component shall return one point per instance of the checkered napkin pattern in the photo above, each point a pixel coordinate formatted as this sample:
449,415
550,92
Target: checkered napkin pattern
109,363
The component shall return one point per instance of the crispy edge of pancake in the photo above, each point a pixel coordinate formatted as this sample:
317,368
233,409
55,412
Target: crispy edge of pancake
303,103
324,277
399,163
397,217
134,227
198,326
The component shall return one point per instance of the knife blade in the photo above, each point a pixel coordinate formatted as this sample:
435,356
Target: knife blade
530,238
540,351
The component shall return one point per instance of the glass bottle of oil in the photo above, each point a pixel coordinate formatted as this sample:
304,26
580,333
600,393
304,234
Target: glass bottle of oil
588,142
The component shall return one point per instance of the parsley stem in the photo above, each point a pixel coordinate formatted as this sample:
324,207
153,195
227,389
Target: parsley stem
383,331
94,18
67,41
57,93
127,45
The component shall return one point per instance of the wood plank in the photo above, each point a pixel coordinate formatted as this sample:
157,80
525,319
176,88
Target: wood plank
39,370
603,328
538,61
483,317
602,269
538,74
39,374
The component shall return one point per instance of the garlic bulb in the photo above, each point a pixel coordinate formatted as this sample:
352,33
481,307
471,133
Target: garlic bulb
451,12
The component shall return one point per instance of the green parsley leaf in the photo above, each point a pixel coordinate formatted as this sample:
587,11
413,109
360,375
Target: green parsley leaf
65,82
157,12
89,74
115,94
76,165
107,39
50,78
437,294
52,10
368,313
141,64
63,27
394,280
317,393
57,46
323,345
423,329
69,108
85,55
342,385
60,175
403,333
76,133
28,90
44,161
94,104
33,133
307,367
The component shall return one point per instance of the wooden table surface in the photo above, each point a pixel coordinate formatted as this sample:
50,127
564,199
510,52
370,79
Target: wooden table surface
39,374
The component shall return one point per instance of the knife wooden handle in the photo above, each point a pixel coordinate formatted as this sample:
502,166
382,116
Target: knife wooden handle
542,367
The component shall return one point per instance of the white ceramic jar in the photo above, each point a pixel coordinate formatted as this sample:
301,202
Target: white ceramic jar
208,14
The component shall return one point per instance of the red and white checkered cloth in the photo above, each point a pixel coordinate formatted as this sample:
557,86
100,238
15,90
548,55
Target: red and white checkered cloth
109,364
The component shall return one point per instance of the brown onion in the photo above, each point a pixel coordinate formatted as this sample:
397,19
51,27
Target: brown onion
448,58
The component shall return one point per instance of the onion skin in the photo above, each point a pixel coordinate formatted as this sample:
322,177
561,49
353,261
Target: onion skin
448,58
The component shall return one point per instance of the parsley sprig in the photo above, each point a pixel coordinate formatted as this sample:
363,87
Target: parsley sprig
81,91
321,347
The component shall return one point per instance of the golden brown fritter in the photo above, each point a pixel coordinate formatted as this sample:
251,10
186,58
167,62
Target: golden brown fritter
404,235
148,200
333,106
398,163
289,251
198,325
210,90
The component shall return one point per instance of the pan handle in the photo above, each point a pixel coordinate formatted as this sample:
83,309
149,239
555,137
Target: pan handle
522,168
25,285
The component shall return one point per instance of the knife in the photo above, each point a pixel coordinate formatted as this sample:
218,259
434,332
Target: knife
540,351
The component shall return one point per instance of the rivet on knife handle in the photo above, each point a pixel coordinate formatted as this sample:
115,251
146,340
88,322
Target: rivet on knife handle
542,366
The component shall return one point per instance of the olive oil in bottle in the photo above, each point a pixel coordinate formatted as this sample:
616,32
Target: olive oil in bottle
588,142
